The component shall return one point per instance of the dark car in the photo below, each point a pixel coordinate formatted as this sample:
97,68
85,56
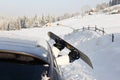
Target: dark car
27,60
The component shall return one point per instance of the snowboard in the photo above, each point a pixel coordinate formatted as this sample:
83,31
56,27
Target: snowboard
83,56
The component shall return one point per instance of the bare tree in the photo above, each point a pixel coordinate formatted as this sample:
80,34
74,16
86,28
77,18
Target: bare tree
85,9
101,6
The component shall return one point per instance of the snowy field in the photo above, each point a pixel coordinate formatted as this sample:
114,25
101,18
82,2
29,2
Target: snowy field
104,54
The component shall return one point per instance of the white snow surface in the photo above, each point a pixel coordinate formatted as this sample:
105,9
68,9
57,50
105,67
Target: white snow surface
104,54
109,22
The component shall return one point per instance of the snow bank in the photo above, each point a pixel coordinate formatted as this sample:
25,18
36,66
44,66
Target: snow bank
102,51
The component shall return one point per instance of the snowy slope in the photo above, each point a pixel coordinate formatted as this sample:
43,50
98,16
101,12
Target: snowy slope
36,33
103,53
111,23
78,70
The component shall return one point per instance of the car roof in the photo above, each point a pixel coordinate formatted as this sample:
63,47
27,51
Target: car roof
26,46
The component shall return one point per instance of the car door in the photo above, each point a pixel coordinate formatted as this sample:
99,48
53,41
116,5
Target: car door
56,74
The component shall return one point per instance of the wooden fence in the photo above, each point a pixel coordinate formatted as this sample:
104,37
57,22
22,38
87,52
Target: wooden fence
96,29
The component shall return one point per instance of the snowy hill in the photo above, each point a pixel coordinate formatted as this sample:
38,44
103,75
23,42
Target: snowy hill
102,51
115,9
110,23
36,33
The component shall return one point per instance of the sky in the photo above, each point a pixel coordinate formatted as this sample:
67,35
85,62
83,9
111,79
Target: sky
39,7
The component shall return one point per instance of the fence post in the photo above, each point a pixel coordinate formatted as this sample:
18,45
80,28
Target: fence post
112,37
88,27
103,31
95,27
83,28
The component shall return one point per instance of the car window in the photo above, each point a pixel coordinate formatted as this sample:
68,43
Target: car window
20,57
21,67
14,71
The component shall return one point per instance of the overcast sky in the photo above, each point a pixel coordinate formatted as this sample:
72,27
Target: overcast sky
52,7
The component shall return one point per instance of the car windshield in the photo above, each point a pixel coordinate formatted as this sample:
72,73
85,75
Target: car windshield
20,67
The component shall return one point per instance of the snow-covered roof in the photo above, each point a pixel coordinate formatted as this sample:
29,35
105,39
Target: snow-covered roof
26,46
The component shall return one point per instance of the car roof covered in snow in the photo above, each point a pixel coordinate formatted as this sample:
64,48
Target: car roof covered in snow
26,46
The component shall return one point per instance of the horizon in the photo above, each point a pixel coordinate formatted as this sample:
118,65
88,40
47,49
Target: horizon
46,7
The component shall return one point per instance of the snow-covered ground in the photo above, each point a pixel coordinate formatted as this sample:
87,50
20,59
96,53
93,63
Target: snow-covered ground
104,53
109,22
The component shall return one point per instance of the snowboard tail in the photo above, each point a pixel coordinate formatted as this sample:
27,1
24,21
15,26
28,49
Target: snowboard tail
84,57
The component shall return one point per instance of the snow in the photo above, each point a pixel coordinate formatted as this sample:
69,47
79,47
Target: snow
36,33
104,54
23,46
109,22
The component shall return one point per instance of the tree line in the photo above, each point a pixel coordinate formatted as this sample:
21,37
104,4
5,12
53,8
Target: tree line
114,2
12,23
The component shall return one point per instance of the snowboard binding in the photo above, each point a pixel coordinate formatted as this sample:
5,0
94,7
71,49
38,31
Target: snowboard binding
59,44
73,55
